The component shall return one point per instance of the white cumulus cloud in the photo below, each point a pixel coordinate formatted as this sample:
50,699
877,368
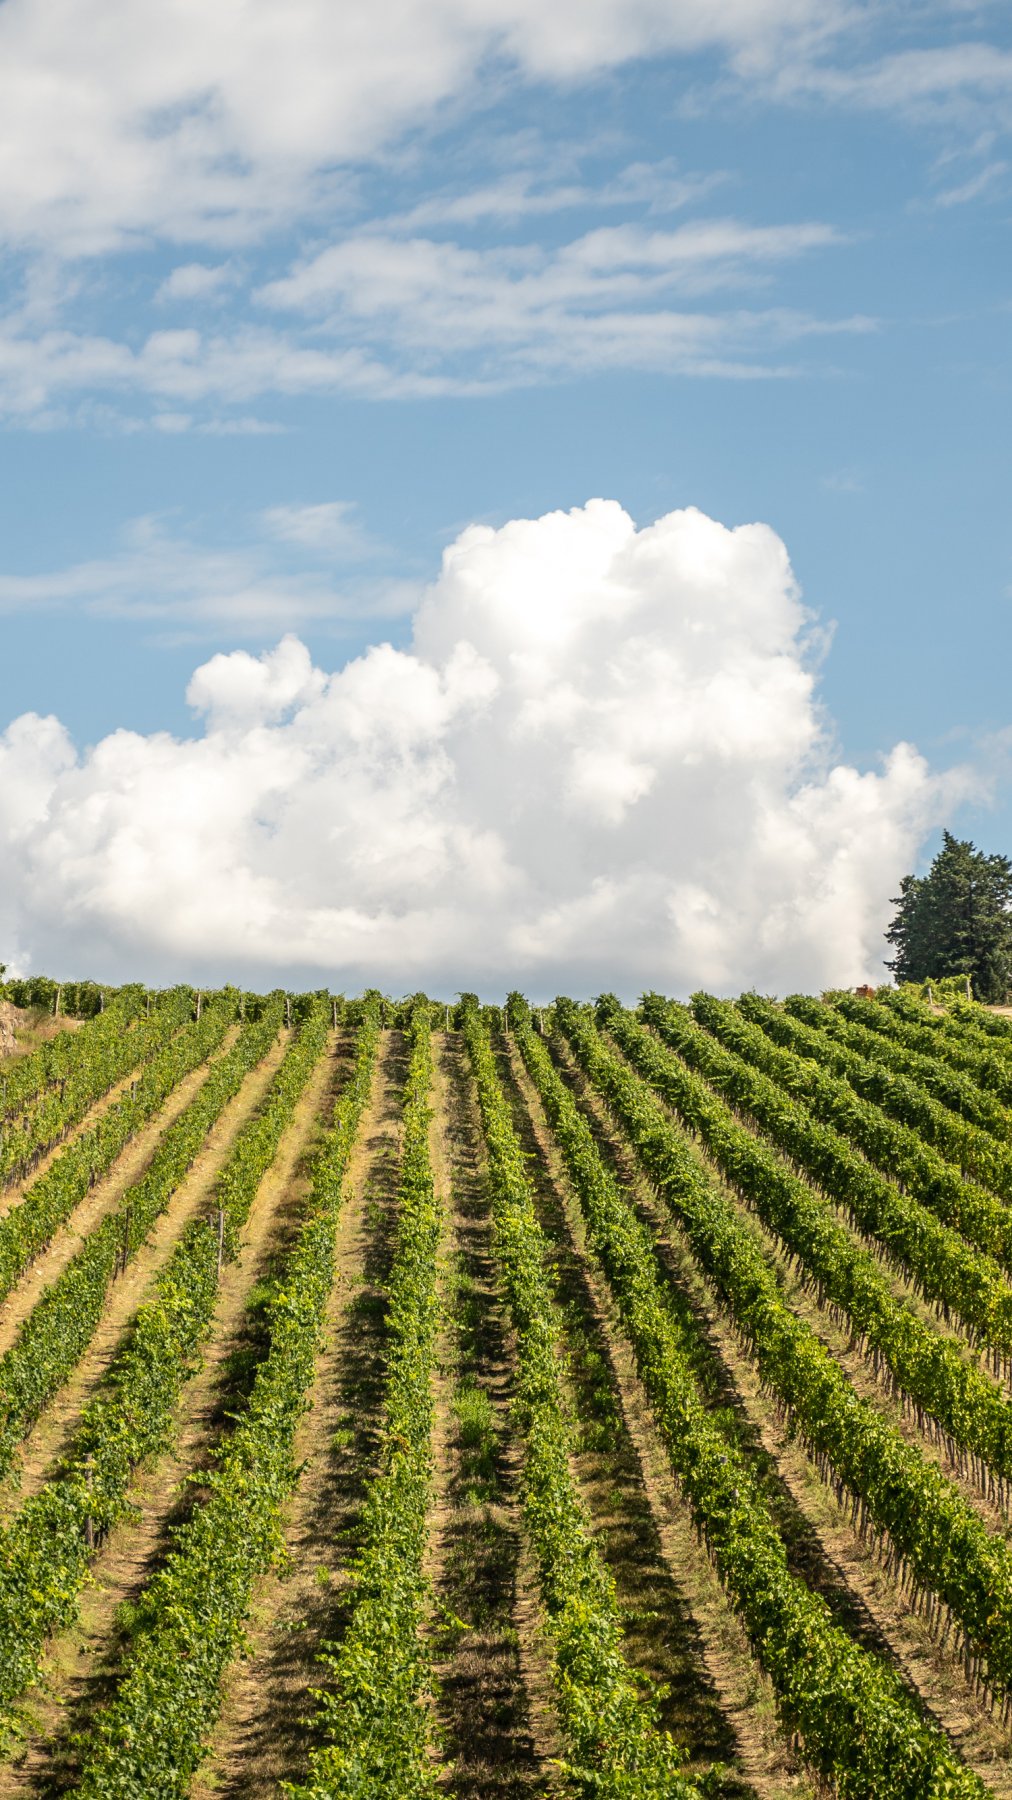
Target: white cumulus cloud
601,762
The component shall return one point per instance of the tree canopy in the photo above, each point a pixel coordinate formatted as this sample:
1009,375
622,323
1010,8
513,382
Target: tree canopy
956,920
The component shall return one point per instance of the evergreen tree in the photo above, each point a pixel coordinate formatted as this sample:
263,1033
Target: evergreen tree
956,920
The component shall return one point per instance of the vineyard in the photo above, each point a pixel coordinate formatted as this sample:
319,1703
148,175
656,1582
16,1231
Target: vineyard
401,1399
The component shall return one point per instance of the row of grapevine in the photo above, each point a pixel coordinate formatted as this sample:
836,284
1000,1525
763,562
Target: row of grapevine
963,1019
609,1721
56,1332
948,1087
147,1743
964,1281
856,1093
49,1201
374,1717
903,1494
113,1048
965,1123
76,999
47,1547
857,1725
24,1077
989,1068
970,1409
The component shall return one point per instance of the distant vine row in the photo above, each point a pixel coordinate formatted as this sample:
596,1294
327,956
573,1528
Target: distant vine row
60,1326
112,1046
824,1072
812,1131
912,1072
24,1077
990,1069
961,1019
49,1201
971,1410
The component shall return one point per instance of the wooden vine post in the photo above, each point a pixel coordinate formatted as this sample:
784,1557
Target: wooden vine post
89,1523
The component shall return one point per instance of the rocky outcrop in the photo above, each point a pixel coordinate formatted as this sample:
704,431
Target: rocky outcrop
8,1014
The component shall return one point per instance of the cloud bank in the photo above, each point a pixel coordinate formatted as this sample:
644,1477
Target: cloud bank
210,124
600,763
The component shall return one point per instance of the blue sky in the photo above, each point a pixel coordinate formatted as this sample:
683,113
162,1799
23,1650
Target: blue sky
290,304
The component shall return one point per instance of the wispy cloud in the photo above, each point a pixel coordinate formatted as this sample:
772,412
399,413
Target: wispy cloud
329,526
842,481
213,128
601,301
984,181
374,272
656,188
383,316
286,574
197,281
116,137
42,377
965,82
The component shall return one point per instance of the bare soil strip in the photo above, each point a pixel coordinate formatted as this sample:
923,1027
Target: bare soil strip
83,1663
681,1630
880,1611
264,1733
49,1437
497,1725
104,1197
